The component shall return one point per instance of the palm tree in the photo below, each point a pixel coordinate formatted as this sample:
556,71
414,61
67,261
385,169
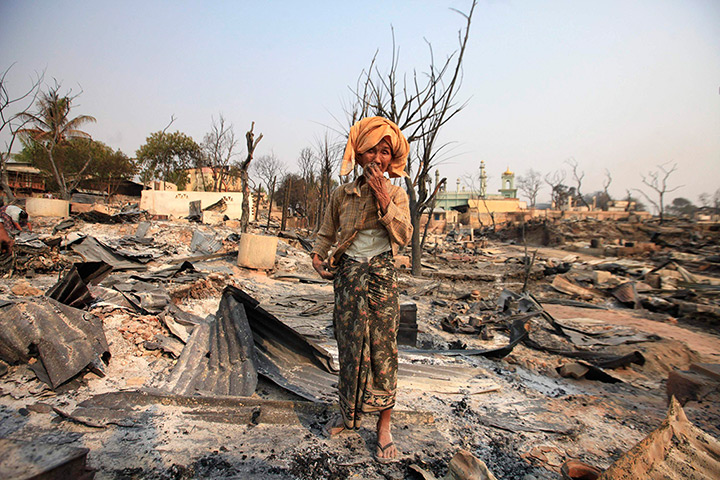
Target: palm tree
51,126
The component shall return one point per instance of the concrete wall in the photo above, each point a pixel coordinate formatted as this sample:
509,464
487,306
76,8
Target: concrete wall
497,205
475,219
177,204
598,214
47,207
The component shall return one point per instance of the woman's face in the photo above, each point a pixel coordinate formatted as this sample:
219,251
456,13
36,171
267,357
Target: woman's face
380,154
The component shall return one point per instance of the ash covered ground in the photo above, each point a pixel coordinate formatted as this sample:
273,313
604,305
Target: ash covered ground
517,413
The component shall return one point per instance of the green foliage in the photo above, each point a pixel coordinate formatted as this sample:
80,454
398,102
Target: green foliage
602,199
682,206
166,156
104,165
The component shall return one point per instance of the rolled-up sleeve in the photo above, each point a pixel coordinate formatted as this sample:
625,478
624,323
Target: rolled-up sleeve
397,218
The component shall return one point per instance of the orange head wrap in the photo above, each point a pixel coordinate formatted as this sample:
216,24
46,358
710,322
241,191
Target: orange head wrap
367,133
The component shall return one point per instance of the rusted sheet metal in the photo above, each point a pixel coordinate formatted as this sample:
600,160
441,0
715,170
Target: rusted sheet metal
93,251
67,340
595,333
93,216
563,285
186,268
191,360
30,461
219,358
144,297
290,360
272,334
72,289
627,293
598,359
285,356
583,337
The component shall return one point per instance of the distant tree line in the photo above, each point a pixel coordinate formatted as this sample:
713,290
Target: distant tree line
657,185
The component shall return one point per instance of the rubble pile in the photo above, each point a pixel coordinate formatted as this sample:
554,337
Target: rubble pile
139,329
522,361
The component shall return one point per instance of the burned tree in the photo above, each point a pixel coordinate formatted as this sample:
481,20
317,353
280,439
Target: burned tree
11,123
578,176
657,180
559,192
306,164
606,184
420,108
704,199
681,206
218,148
267,168
326,154
252,143
530,185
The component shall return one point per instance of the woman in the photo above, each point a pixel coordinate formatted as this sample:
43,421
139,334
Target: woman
14,218
370,220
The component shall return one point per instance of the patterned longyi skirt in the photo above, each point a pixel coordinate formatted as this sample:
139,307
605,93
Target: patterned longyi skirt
366,320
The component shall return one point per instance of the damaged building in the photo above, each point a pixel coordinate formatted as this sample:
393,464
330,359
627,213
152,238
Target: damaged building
137,344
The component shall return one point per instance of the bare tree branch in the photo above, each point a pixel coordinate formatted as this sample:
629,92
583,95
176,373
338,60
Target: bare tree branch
420,105
606,184
558,190
11,120
657,180
172,120
578,176
530,185
219,153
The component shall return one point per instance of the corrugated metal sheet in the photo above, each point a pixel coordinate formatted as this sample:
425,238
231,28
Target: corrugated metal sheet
65,340
290,360
219,358
72,289
93,251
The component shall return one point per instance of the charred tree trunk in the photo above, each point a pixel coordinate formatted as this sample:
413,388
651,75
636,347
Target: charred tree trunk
251,145
257,202
5,180
416,249
286,201
271,195
245,215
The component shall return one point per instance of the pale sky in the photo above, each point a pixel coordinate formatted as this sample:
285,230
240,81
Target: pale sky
624,85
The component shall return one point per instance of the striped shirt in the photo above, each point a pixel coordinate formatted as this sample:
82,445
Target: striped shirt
353,208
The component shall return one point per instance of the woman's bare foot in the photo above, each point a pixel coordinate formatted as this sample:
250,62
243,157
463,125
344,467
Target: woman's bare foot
335,426
386,450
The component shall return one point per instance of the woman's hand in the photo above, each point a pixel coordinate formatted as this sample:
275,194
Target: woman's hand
378,185
321,267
